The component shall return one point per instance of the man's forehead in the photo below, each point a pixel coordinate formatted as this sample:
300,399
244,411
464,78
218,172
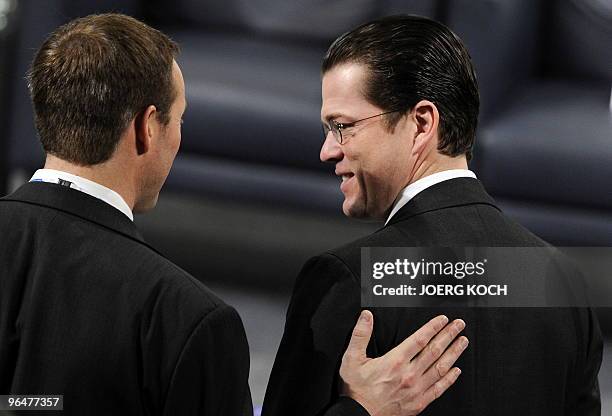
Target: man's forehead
179,82
177,74
342,90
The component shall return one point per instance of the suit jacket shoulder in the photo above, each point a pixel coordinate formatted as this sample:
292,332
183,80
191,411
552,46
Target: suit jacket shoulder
79,284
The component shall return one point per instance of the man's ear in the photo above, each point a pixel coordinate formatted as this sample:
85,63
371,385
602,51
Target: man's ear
426,116
146,129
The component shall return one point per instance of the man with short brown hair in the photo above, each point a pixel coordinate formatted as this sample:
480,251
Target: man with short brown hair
88,309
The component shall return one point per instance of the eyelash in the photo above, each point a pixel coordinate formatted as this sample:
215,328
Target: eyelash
344,126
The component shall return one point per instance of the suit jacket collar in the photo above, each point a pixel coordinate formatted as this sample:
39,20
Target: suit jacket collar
451,193
76,203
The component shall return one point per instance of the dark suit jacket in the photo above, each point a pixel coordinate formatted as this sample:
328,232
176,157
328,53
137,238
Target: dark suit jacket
519,361
90,311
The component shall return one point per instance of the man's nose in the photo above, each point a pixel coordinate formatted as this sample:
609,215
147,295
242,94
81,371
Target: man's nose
331,151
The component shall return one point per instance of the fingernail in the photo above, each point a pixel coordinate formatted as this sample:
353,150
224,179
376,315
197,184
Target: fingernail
444,320
459,324
464,342
457,371
365,317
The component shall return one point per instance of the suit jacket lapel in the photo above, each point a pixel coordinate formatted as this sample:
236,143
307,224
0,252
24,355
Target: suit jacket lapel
76,203
451,193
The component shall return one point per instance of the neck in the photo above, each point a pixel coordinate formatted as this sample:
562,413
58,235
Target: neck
439,164
105,174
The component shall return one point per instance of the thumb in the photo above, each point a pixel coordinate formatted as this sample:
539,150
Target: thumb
361,335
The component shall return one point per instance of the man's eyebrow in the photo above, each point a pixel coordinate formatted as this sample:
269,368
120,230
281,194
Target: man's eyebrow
333,116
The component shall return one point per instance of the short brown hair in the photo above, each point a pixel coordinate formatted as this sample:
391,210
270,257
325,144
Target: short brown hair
91,77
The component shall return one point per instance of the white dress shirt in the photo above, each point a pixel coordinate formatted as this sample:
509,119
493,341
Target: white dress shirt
84,185
416,187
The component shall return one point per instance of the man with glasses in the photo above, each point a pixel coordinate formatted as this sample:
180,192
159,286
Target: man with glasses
399,112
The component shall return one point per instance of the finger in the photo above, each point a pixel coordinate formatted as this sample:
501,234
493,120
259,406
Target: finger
361,335
439,388
441,367
437,346
412,345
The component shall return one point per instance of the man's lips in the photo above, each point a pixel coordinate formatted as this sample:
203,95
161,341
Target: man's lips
345,180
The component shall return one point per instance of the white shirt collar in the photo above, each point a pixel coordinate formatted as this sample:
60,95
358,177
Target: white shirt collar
84,185
416,187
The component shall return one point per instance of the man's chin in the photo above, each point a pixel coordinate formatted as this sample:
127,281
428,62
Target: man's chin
358,211
354,210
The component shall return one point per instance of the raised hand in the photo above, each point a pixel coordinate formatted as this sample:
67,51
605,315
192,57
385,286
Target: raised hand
405,380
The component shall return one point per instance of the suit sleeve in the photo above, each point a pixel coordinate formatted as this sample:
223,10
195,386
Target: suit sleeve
587,398
211,375
323,310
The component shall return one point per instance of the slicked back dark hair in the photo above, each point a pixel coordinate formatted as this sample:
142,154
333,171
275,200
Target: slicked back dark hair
91,77
413,58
